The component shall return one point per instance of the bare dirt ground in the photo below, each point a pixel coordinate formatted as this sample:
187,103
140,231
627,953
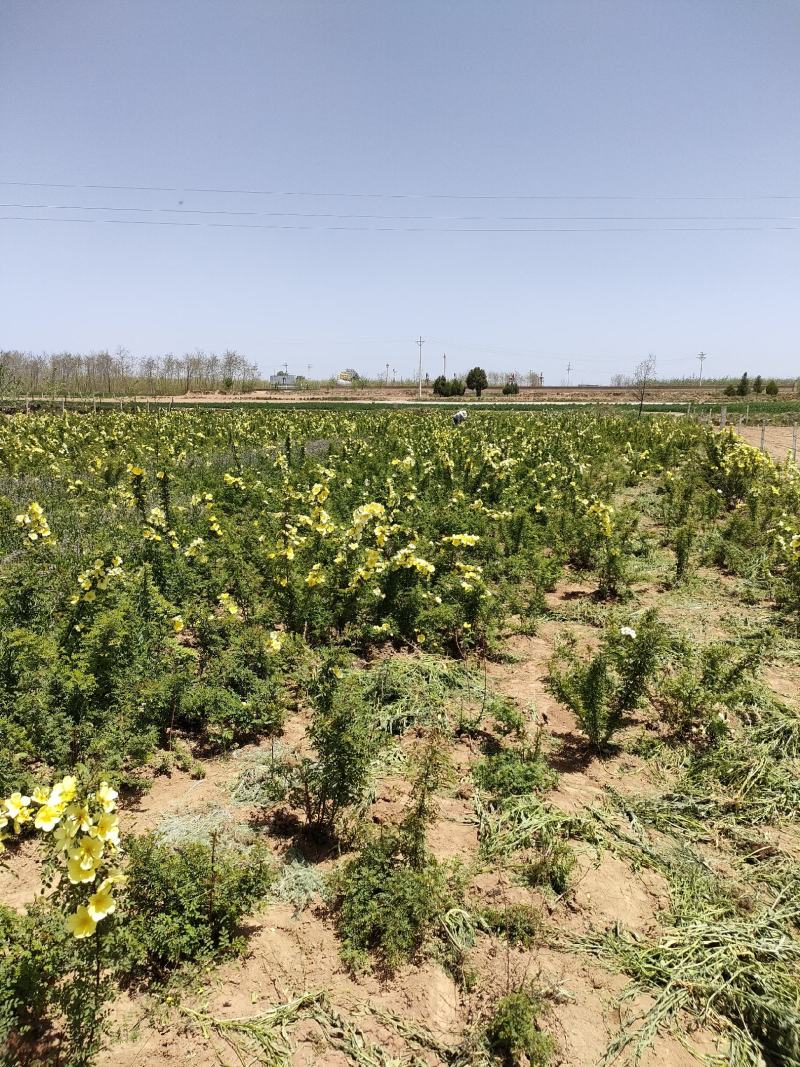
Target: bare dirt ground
410,395
779,441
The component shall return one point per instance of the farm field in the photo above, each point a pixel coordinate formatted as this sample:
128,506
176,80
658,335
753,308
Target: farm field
354,737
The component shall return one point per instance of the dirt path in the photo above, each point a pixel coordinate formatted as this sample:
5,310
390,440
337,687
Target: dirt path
778,440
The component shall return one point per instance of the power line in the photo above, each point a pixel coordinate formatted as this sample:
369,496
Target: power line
408,196
402,229
402,218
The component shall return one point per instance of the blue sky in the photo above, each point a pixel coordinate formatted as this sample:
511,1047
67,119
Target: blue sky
571,99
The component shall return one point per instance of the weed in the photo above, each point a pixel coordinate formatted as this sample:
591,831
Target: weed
513,772
513,1033
519,924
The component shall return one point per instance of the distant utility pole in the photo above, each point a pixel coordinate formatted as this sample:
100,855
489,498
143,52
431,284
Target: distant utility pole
702,357
420,342
286,368
569,368
387,373
444,364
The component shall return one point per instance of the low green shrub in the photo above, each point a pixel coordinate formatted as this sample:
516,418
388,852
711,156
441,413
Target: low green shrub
513,1034
553,866
186,903
514,772
54,989
520,924
603,689
707,682
385,906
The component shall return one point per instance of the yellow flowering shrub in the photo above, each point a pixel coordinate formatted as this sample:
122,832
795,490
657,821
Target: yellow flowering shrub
82,832
33,522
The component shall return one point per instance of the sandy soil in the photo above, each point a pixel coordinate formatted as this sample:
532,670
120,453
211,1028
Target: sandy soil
410,394
779,441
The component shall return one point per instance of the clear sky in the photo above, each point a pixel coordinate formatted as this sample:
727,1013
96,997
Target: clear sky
455,104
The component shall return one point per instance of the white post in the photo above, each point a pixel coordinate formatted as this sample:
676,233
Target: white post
794,442
762,437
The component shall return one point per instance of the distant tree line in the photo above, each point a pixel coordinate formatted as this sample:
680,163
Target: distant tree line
119,374
745,386
731,386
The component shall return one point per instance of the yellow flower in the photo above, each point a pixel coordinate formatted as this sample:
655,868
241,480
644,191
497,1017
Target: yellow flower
77,874
65,790
107,828
275,640
177,624
17,806
115,877
226,601
64,834
47,818
101,903
81,924
462,540
88,854
40,795
106,797
315,576
79,813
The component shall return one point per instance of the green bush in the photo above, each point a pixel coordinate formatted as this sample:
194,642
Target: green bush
346,740
477,380
510,389
54,990
603,689
385,906
520,924
513,1033
706,683
514,772
187,903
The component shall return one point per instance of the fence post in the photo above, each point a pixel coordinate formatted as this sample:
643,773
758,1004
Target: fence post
723,415
794,442
762,436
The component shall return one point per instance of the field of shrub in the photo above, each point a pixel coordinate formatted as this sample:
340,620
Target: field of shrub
358,737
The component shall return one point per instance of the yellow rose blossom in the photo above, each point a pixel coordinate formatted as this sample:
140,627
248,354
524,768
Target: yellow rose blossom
81,924
101,903
106,797
47,817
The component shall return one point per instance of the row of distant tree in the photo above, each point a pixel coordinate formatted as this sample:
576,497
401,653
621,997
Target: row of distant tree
119,374
757,385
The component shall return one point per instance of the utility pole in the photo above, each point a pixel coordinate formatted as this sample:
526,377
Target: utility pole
420,342
702,357
444,364
569,368
387,373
